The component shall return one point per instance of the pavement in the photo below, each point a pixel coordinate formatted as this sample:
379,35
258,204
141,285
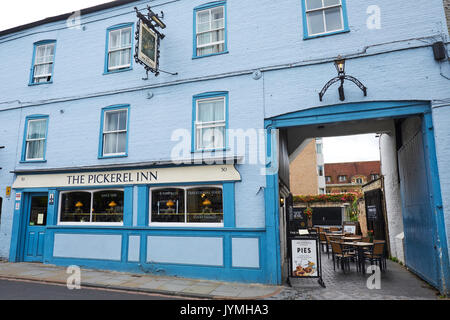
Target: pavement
168,286
397,283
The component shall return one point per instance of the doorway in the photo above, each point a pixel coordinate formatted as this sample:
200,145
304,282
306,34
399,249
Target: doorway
412,154
34,227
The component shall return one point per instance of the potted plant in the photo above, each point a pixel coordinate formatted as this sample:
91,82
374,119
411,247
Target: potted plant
370,235
308,212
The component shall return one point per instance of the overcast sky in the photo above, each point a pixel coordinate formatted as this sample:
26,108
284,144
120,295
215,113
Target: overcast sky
364,147
16,13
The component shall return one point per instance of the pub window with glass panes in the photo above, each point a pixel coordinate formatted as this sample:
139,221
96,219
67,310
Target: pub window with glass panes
187,205
210,31
119,49
96,206
324,16
43,63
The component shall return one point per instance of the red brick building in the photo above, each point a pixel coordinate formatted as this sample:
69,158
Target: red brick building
350,176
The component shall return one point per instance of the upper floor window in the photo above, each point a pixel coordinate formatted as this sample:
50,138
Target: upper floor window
35,138
43,61
374,176
342,178
114,132
328,179
323,17
210,29
119,48
320,170
210,114
319,148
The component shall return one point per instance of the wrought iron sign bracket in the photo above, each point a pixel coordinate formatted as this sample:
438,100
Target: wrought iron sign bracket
340,66
153,21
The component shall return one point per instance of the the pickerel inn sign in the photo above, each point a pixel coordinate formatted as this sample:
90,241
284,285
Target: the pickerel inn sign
148,40
194,174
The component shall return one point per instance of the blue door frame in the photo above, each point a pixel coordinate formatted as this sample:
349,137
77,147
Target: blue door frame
32,242
352,112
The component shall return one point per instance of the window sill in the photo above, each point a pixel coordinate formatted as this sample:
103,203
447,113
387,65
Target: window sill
113,156
40,83
193,226
33,161
306,37
117,71
210,55
211,150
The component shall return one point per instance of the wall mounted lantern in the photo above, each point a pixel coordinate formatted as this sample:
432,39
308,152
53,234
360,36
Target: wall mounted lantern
339,63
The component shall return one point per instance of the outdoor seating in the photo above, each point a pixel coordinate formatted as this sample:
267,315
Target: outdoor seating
329,239
339,256
376,254
323,241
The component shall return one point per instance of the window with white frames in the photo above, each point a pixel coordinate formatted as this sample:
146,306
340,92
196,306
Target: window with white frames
210,31
35,139
114,132
324,16
44,56
210,123
119,48
91,206
187,205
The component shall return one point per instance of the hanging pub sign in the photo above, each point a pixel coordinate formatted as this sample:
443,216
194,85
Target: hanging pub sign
148,46
148,38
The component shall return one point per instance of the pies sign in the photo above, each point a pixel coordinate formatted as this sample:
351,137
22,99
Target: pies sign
304,258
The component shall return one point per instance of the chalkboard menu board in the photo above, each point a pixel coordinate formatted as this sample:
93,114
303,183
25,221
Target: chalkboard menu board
296,220
372,212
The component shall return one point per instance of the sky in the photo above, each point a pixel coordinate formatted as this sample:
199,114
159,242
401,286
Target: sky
16,13
364,147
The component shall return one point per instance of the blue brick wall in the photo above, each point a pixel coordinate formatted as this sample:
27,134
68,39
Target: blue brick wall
395,63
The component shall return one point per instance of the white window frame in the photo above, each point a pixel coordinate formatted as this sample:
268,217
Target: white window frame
323,8
342,180
36,64
185,223
199,126
91,206
320,170
197,32
27,140
104,133
129,47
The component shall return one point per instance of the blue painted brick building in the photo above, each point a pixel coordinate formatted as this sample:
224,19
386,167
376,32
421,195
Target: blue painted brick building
90,146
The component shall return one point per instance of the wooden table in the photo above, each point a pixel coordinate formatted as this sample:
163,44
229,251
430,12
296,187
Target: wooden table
360,246
351,238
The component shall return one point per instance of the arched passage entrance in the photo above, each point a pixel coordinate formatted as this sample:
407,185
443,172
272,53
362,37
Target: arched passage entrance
425,235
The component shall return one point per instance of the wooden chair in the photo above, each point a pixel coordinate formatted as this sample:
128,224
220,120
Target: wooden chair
340,256
376,254
323,241
329,239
